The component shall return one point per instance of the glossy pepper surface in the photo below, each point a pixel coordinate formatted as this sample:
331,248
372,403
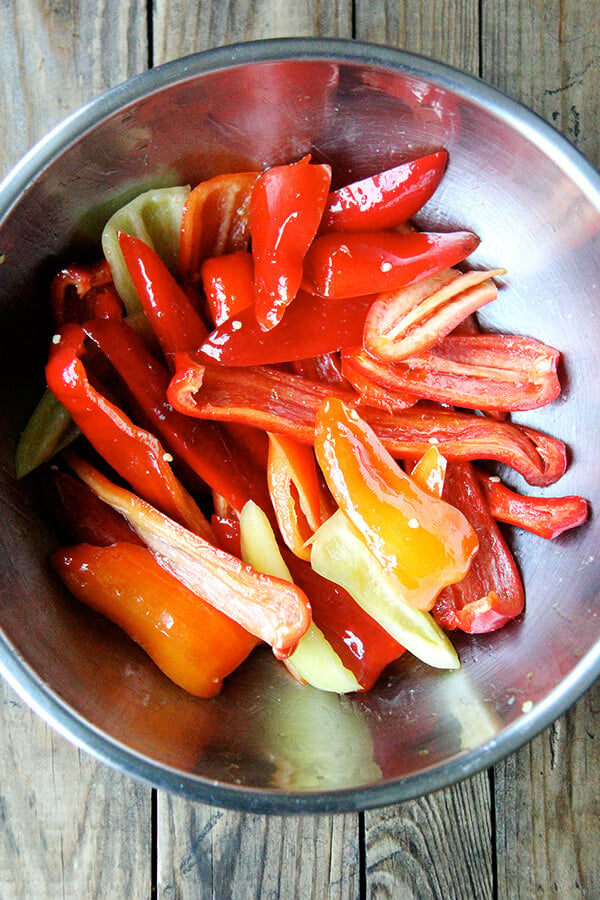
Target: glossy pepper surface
422,541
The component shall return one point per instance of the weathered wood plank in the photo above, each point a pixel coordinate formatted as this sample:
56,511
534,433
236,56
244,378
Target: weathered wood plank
545,54
182,28
448,32
69,827
213,853
438,846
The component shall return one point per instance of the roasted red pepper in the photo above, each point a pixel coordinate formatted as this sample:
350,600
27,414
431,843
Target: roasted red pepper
422,541
228,283
545,516
215,221
175,322
195,645
310,327
295,491
271,609
133,452
368,262
484,371
386,199
281,402
285,212
492,592
83,292
205,448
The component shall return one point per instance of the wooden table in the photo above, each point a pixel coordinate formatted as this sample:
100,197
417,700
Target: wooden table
73,828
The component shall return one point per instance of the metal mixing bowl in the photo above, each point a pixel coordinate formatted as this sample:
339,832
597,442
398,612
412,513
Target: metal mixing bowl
266,743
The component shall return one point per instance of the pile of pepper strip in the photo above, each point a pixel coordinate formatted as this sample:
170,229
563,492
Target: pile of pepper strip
277,429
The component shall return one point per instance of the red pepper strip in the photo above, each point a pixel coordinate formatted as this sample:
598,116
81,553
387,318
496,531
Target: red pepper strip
195,645
215,221
133,452
362,644
79,293
369,262
81,515
174,321
295,492
486,371
386,199
287,404
228,283
227,531
402,323
545,516
273,610
310,327
371,391
424,542
323,367
285,212
492,592
203,447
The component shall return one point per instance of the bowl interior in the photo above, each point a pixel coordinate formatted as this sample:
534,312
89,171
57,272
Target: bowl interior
266,742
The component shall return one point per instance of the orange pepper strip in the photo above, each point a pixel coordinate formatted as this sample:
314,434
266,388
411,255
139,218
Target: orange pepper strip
422,541
273,610
295,492
195,645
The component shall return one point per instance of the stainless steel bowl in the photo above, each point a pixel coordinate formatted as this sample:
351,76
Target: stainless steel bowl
267,744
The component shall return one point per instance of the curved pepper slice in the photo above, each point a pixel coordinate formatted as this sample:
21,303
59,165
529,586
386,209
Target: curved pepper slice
484,371
295,491
285,211
545,516
195,645
272,609
215,220
422,541
133,452
228,283
341,265
405,322
204,448
175,323
281,402
491,594
82,292
311,326
386,199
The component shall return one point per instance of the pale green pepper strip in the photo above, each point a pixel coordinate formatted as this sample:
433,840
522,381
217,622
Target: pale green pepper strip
314,660
153,216
340,554
49,430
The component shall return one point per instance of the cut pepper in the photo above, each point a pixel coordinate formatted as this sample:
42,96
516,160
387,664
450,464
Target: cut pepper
284,403
133,452
545,516
215,220
204,448
270,608
405,322
83,292
285,212
369,262
484,371
174,321
310,327
492,592
295,491
423,542
386,199
195,645
340,554
228,283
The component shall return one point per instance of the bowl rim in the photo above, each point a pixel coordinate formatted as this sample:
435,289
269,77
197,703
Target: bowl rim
17,672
